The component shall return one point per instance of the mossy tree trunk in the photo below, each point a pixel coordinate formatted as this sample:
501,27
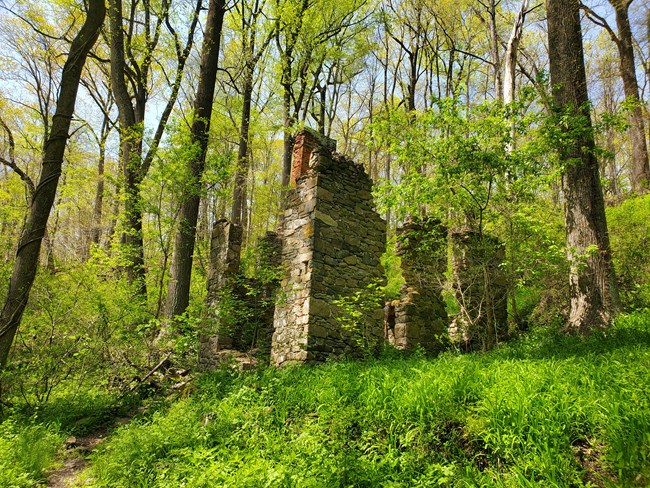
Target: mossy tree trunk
181,267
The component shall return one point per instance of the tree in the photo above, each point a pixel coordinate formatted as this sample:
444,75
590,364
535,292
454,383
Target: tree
97,84
181,267
306,29
511,54
132,60
591,276
640,171
251,55
26,263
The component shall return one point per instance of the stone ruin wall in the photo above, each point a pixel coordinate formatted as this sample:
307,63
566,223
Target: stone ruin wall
225,253
419,317
256,297
330,246
333,241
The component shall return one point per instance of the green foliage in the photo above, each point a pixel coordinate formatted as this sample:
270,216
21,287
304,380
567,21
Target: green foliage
546,410
80,328
25,453
245,305
629,225
392,267
457,161
354,311
30,438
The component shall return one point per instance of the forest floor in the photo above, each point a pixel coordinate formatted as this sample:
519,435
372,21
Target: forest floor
73,459
544,410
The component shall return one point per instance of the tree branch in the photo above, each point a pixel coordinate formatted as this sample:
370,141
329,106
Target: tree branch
600,21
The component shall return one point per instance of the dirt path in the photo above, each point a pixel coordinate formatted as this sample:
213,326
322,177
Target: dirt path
75,456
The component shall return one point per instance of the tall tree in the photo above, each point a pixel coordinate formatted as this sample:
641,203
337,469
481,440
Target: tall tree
97,83
181,267
305,31
622,37
591,276
132,59
29,247
252,50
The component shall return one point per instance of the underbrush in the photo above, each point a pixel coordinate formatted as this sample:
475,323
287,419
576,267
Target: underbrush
546,410
30,437
26,452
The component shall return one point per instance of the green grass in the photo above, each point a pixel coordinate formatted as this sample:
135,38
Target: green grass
31,436
26,451
547,410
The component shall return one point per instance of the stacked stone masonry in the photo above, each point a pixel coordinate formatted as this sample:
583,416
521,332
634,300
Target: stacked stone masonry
242,328
419,318
329,248
333,241
225,253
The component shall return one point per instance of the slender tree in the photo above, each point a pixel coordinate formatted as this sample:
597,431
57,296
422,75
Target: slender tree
252,51
29,246
131,82
622,37
511,54
591,276
181,267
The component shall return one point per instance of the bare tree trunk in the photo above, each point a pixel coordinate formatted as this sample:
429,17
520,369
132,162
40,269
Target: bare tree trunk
640,169
95,233
591,276
29,247
511,54
181,267
494,51
98,207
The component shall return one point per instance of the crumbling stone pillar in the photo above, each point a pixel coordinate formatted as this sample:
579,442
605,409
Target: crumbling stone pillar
240,308
307,142
225,254
480,286
332,244
419,318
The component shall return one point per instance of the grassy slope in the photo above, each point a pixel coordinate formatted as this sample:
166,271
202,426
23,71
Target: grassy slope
545,411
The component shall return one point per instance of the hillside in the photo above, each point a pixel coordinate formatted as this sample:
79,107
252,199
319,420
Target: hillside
546,410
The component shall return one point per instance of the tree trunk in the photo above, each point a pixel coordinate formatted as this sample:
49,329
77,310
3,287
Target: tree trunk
511,54
98,207
131,152
181,267
29,247
288,137
591,276
238,214
131,106
640,171
95,233
494,51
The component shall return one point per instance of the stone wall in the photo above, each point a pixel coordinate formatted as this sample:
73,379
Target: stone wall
480,285
419,318
332,244
225,252
240,309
